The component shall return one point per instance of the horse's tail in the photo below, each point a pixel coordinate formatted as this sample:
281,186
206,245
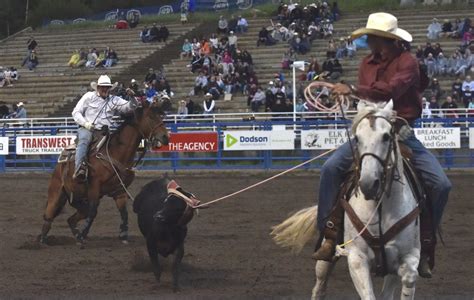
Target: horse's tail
297,230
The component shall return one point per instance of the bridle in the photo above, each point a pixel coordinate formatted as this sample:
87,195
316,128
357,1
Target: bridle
152,128
388,163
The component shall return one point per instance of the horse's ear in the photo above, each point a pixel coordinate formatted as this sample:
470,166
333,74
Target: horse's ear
389,106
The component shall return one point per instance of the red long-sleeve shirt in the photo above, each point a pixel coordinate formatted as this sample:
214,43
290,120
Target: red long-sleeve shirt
395,77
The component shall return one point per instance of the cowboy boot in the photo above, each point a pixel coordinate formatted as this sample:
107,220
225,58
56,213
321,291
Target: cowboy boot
428,243
81,173
331,235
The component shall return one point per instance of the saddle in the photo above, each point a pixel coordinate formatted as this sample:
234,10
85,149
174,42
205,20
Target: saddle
98,141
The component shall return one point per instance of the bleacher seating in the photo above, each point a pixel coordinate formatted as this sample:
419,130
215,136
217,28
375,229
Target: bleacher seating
53,83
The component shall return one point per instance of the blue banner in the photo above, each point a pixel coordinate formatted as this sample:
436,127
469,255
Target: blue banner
192,5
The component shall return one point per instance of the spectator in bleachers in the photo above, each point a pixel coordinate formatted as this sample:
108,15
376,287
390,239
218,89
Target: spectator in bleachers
467,95
467,37
278,33
265,37
456,89
227,63
150,77
184,12
205,47
222,25
430,63
111,58
446,29
336,70
462,64
258,99
299,44
420,55
162,85
75,57
448,106
470,106
351,49
428,49
182,110
31,45
441,65
145,34
341,49
425,111
213,88
91,58
190,106
434,29
327,28
435,89
232,24
232,38
288,58
186,49
465,27
5,77
153,33
468,82
200,84
434,107
214,44
457,28
101,58
20,113
32,60
314,32
163,34
331,49
82,58
208,104
242,25
121,24
134,19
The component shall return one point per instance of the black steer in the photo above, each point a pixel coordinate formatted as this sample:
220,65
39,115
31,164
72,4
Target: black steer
164,209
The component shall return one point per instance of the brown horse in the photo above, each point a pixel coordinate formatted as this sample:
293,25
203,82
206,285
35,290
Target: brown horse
114,158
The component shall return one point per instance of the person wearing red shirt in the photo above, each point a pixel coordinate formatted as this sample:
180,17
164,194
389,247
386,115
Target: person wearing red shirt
389,72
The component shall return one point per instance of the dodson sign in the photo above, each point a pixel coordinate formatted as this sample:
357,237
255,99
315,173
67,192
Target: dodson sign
26,145
191,142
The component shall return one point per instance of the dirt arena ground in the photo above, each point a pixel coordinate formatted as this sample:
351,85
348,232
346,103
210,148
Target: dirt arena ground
229,254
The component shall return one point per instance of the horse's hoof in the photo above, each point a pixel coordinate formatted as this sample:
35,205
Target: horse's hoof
42,240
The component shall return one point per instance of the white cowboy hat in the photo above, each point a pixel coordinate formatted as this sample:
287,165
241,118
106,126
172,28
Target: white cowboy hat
20,104
384,25
104,80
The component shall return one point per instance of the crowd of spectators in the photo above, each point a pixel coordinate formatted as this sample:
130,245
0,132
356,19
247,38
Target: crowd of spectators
93,58
154,34
8,76
18,111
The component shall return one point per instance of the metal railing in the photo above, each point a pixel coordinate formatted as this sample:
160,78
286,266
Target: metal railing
257,159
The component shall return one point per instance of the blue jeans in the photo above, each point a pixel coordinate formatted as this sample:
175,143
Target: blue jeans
432,175
84,137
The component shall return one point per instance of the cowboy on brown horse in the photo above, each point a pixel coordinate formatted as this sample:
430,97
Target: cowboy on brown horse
110,162
94,111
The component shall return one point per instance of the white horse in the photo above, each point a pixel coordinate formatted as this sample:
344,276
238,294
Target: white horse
381,178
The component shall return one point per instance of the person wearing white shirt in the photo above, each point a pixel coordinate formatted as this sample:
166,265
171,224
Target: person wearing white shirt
208,104
232,41
94,111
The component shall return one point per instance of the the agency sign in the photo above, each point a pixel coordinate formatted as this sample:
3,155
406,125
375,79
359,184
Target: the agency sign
191,142
439,138
28,145
3,145
323,139
259,140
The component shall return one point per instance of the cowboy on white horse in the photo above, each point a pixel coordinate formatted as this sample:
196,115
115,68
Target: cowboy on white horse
389,72
94,111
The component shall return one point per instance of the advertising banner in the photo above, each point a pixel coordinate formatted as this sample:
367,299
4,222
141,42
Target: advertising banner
323,139
191,142
259,140
27,145
439,138
3,145
471,138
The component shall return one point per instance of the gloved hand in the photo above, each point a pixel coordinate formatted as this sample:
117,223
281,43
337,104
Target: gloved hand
89,126
404,133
